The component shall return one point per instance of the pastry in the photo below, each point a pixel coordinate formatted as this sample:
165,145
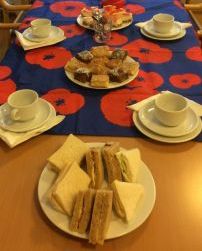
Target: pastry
100,81
73,65
130,67
127,17
88,21
119,54
83,75
100,51
84,56
114,63
117,75
86,12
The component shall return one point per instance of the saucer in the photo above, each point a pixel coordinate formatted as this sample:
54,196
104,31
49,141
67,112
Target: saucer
55,32
149,28
162,138
147,117
44,112
180,35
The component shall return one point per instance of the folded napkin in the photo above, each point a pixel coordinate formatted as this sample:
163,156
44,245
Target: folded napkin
13,139
183,25
28,45
197,108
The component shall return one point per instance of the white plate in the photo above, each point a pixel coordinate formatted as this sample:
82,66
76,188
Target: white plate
149,28
180,35
162,138
117,226
124,25
54,33
112,85
43,114
148,119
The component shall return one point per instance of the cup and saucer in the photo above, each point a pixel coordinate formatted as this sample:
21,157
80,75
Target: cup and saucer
168,119
41,30
24,111
163,27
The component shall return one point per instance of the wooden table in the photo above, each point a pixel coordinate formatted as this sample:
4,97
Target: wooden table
174,225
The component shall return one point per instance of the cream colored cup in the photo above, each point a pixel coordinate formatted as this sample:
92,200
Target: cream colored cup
170,109
23,105
41,27
163,23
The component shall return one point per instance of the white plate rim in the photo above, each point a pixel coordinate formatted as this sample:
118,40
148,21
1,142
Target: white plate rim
161,138
150,194
156,34
8,128
112,85
124,25
180,35
166,133
50,37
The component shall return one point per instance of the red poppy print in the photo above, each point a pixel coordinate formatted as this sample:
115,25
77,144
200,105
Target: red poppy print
5,71
49,57
135,8
117,39
72,30
26,22
37,4
147,80
64,101
7,86
178,4
114,105
67,9
194,53
148,52
185,81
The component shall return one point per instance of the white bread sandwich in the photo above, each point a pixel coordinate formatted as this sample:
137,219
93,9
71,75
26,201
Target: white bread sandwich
130,162
111,162
73,149
65,191
50,196
126,198
95,167
82,211
101,216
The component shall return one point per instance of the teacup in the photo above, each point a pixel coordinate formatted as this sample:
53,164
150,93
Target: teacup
163,23
23,105
41,27
170,109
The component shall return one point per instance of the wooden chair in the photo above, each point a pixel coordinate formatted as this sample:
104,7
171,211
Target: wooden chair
6,26
195,10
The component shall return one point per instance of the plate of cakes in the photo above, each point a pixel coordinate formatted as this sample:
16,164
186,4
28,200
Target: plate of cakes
102,68
120,17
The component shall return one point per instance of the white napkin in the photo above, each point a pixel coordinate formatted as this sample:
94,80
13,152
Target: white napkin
183,25
28,45
197,108
13,139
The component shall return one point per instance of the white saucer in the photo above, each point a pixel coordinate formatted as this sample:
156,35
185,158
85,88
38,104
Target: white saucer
44,112
147,117
55,32
149,28
180,35
162,138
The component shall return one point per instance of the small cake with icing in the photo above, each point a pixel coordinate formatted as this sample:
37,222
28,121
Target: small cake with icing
83,75
117,75
84,56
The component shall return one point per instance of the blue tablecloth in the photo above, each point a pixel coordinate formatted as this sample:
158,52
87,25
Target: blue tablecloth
164,65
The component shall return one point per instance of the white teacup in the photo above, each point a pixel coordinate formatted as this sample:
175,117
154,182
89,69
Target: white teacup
23,105
163,23
170,109
41,27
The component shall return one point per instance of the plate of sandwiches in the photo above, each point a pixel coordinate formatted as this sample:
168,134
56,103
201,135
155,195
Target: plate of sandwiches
120,18
102,68
96,191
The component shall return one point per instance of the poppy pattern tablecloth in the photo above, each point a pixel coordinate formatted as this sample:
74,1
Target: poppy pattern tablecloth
164,65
